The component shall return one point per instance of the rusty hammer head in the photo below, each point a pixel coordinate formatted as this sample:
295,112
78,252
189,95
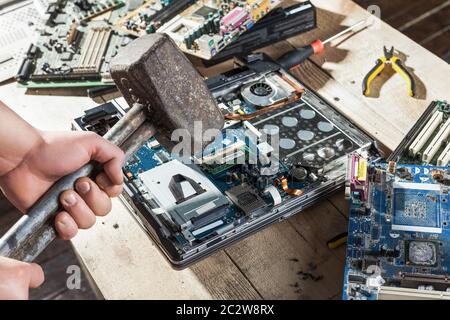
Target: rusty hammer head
152,71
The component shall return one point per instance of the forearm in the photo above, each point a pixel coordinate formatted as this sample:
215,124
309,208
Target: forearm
17,138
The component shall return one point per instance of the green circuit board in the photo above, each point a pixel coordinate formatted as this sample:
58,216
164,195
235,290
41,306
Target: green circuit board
81,37
75,46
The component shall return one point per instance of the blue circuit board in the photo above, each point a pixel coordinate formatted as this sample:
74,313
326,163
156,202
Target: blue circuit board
146,158
400,236
152,155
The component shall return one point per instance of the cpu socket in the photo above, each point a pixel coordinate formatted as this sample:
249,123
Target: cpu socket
416,207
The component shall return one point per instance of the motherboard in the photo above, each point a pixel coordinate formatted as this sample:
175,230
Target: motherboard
75,45
282,149
399,240
79,38
208,26
199,27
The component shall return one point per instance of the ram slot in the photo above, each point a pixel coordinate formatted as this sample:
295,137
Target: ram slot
88,44
398,293
94,49
437,142
426,133
444,158
220,155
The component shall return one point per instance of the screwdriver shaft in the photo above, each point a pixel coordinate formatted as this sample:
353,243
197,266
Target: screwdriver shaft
344,31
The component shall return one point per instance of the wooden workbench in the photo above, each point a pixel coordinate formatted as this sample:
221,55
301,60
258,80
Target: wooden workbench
289,259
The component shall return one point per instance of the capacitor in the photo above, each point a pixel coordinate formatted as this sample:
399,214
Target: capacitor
260,183
188,41
298,173
204,28
229,178
216,25
150,28
197,33
59,47
210,25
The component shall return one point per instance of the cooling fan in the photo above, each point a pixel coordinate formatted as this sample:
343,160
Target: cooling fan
269,90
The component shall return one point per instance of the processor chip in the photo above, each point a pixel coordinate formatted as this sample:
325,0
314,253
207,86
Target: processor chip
416,207
422,253
246,199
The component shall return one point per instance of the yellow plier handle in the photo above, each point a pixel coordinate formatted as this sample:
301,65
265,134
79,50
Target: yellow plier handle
379,66
397,65
400,68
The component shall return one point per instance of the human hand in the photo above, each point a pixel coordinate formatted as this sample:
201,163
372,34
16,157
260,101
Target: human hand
56,154
17,277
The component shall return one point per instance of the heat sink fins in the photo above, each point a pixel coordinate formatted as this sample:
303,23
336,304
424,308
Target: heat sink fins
426,133
437,142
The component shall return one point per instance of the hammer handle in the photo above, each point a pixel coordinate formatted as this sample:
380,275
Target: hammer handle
34,231
17,241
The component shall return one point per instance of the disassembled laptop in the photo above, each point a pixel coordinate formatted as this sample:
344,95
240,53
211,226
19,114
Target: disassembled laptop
241,182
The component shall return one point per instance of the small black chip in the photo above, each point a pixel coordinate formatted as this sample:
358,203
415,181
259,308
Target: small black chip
245,198
204,11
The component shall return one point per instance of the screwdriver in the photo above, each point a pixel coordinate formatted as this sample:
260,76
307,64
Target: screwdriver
299,55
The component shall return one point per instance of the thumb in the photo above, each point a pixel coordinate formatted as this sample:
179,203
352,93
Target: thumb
36,275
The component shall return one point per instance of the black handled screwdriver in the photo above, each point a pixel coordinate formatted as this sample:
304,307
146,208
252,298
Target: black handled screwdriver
299,55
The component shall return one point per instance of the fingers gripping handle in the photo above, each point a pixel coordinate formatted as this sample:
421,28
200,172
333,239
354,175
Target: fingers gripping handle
44,210
41,239
34,231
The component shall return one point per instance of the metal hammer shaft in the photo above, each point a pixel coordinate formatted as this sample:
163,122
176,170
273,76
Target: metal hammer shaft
34,231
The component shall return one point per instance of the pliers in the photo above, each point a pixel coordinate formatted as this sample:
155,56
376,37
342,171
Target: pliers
397,65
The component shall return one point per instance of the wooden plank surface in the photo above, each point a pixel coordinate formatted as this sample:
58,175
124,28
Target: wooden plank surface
286,260
416,18
350,60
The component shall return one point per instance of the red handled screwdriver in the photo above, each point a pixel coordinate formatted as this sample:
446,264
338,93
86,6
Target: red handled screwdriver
299,55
